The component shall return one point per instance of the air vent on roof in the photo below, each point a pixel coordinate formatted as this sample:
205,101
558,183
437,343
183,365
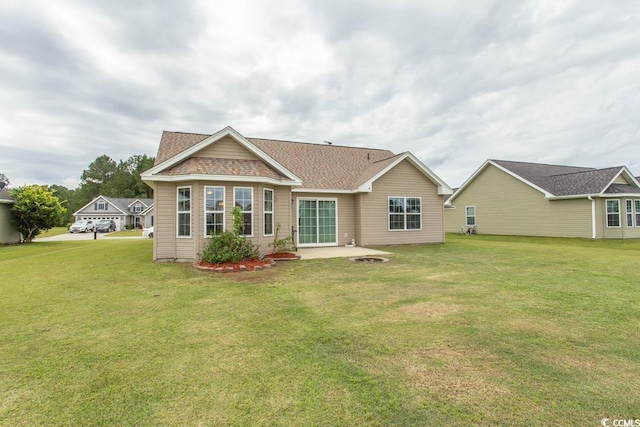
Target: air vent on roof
328,142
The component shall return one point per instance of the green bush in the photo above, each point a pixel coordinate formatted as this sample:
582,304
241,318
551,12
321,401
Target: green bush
230,246
285,244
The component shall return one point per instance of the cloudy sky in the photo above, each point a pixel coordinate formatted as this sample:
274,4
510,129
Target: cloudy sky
454,82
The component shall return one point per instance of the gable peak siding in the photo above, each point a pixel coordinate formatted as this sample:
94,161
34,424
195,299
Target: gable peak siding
226,148
404,180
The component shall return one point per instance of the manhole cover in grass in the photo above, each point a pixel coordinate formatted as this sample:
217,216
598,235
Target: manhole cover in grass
369,259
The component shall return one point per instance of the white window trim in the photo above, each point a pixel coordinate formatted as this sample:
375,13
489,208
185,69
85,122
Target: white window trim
405,229
101,205
253,210
467,216
628,212
265,212
224,215
636,212
606,213
178,212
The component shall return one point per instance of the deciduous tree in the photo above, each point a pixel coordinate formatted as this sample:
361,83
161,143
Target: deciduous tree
36,209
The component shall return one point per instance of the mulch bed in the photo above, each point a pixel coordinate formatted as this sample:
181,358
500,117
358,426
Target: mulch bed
283,256
247,265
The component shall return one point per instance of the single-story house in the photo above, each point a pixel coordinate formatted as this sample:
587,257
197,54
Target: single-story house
8,234
319,194
125,212
532,199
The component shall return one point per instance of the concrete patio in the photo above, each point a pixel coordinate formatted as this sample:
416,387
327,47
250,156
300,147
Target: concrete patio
337,252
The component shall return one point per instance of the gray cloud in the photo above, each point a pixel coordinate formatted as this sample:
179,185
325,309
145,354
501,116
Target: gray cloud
454,82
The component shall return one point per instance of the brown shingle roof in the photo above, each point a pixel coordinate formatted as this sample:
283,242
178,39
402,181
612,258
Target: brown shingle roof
172,143
211,166
319,166
323,166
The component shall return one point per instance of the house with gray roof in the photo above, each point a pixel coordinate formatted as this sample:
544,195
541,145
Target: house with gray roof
8,233
319,194
533,199
136,213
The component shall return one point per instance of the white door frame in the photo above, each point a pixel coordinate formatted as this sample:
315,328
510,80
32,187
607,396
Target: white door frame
316,199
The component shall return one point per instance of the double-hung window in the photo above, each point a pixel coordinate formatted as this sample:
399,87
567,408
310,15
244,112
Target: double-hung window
405,213
268,212
213,210
637,212
629,206
613,213
101,205
471,215
243,198
184,212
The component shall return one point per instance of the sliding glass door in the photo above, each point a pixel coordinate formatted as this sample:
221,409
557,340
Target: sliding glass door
317,222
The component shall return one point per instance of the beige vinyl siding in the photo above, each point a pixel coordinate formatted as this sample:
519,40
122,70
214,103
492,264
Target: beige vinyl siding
622,232
404,180
91,211
226,148
621,180
507,206
7,233
167,246
346,213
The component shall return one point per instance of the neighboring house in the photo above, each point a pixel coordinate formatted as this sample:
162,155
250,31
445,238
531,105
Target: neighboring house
125,212
531,199
148,216
8,234
323,194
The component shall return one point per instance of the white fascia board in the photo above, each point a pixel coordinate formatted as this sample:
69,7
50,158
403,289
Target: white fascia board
443,188
136,200
227,131
629,176
78,212
547,195
322,190
573,196
147,210
225,178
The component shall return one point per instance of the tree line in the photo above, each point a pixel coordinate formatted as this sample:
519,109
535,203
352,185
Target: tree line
41,207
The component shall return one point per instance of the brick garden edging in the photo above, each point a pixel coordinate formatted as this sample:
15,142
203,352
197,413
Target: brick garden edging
240,267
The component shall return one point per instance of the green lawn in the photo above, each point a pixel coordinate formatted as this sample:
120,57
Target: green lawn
480,331
126,233
55,231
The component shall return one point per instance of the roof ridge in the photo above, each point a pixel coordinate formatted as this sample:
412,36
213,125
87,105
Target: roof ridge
543,164
316,143
188,133
590,170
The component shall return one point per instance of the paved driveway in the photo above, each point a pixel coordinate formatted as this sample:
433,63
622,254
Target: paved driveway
82,236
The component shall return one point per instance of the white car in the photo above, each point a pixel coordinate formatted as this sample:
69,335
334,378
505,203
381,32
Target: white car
147,232
82,226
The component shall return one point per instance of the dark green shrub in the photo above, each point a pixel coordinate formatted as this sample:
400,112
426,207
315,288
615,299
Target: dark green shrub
229,246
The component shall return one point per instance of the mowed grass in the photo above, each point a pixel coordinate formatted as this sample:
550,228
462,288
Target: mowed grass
55,231
480,331
126,233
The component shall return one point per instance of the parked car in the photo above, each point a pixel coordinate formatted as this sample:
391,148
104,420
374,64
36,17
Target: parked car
82,226
105,225
147,232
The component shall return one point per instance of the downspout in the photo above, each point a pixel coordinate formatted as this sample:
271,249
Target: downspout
593,217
